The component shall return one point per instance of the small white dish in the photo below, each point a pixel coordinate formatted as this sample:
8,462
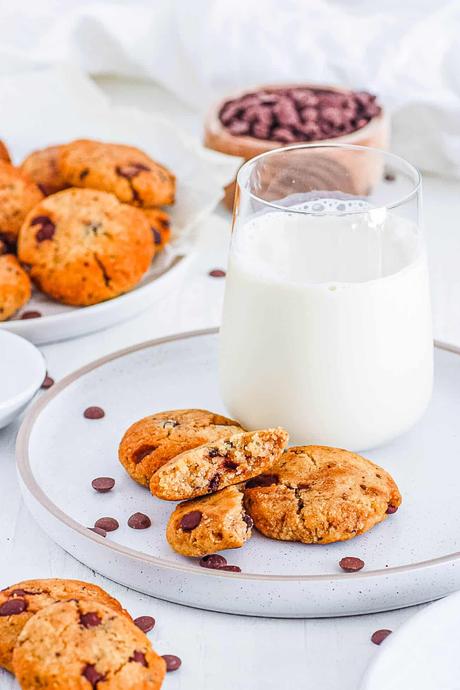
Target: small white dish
413,557
422,654
22,370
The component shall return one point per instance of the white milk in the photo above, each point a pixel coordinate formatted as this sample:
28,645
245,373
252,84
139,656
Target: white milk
327,327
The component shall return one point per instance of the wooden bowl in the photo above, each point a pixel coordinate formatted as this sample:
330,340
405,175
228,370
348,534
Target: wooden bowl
375,134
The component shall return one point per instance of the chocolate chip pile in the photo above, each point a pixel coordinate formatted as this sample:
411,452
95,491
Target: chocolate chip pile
298,114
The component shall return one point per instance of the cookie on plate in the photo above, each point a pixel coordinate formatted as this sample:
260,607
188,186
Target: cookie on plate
19,602
79,644
214,466
160,222
123,170
208,524
316,494
43,167
4,153
84,246
18,195
15,287
152,441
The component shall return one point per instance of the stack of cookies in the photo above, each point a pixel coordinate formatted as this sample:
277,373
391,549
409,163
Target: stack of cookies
82,221
71,634
230,480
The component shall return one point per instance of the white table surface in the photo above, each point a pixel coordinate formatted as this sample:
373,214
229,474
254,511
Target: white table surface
221,651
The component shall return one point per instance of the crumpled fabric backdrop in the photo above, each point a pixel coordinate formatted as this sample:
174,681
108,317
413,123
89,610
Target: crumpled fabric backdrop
407,52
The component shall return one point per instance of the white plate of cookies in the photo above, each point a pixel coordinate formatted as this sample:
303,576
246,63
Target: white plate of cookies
133,466
99,209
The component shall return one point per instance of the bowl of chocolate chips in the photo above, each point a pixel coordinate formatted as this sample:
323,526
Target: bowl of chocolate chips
255,121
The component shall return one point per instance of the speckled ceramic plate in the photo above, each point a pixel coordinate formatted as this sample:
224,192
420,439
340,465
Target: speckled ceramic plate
61,322
411,558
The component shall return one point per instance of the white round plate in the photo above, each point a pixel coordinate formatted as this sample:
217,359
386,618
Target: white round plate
22,370
61,322
422,654
412,557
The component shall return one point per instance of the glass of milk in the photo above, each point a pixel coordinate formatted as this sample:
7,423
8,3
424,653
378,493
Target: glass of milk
326,324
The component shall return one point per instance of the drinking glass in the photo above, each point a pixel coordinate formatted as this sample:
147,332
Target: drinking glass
326,323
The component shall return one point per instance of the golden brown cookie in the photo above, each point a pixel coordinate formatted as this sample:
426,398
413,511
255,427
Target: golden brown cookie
18,195
19,602
123,170
15,287
316,494
79,645
43,167
4,153
160,222
84,246
211,467
208,524
154,440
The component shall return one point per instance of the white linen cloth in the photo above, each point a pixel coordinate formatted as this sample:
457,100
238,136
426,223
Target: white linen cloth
407,52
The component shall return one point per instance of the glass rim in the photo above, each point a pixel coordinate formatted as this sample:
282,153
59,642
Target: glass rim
243,171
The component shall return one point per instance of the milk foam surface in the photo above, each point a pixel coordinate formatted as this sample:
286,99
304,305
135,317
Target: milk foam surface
327,327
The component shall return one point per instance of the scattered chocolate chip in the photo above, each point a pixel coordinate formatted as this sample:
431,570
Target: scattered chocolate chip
94,412
217,273
191,520
172,662
230,464
142,452
98,530
103,484
351,564
145,623
213,453
156,236
139,521
47,382
214,483
391,509
13,607
380,635
92,676
214,561
389,177
31,314
47,228
262,480
84,173
139,658
248,520
90,620
231,568
108,524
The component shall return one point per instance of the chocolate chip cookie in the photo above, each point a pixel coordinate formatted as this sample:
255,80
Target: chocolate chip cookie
160,223
4,153
316,494
84,246
19,602
151,442
18,195
208,524
214,466
43,167
15,287
80,644
125,171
